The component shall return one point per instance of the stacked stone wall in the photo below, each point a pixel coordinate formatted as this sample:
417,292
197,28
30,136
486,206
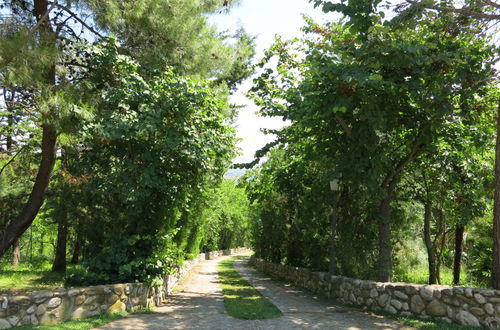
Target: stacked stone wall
462,305
54,306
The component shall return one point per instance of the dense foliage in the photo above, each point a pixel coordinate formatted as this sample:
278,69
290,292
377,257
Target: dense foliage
401,116
115,124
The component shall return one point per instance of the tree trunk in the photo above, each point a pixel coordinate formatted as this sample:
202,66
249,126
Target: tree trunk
332,268
429,245
59,264
384,236
16,253
495,274
457,263
49,138
76,248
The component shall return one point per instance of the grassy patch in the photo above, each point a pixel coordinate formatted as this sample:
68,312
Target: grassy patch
430,324
242,300
25,279
88,322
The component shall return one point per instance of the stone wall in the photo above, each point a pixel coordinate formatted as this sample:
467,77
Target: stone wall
462,305
49,307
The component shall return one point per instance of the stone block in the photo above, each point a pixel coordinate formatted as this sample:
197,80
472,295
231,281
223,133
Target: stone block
117,307
435,308
400,295
417,304
4,324
54,302
466,318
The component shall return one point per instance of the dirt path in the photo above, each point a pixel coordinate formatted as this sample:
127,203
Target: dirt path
201,306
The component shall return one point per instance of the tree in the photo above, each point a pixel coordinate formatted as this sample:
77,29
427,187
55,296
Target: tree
43,57
374,101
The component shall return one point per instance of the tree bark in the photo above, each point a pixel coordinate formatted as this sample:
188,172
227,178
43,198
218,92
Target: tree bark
49,138
77,247
16,253
495,274
332,268
429,245
59,264
457,262
384,236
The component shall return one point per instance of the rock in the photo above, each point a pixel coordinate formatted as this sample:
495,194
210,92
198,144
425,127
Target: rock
117,307
391,309
405,306
41,309
20,300
489,309
417,304
436,308
73,292
411,289
468,292
90,300
494,300
400,295
396,303
4,324
118,289
382,299
112,298
33,319
426,292
458,290
488,293
41,296
79,299
373,293
31,310
79,313
476,311
479,298
466,318
54,302
492,322
5,303
13,320
452,301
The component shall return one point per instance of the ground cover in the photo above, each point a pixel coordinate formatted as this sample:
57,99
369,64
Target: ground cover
26,278
88,322
242,300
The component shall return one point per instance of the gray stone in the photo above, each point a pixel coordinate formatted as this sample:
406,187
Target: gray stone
466,318
33,319
73,292
476,311
5,303
373,293
489,309
382,299
426,292
492,322
90,300
468,292
417,304
54,302
4,324
479,298
405,306
13,320
411,289
31,310
20,300
400,295
458,290
396,303
452,301
41,296
436,308
488,293
391,309
40,310
494,300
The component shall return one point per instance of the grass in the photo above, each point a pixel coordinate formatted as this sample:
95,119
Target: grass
88,322
25,278
430,324
242,300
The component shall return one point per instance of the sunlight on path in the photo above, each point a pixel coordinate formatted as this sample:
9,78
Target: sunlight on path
201,306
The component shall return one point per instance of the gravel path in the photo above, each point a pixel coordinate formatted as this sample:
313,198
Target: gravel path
201,306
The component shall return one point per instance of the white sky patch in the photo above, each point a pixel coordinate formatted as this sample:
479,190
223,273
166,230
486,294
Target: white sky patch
263,19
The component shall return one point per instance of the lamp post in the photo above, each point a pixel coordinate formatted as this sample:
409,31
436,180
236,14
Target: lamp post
335,188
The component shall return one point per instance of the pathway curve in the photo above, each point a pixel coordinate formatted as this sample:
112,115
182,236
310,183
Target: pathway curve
201,306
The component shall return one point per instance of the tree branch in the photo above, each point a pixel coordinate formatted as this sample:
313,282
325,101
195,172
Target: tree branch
75,16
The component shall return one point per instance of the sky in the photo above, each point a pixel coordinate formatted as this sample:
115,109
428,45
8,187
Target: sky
263,19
